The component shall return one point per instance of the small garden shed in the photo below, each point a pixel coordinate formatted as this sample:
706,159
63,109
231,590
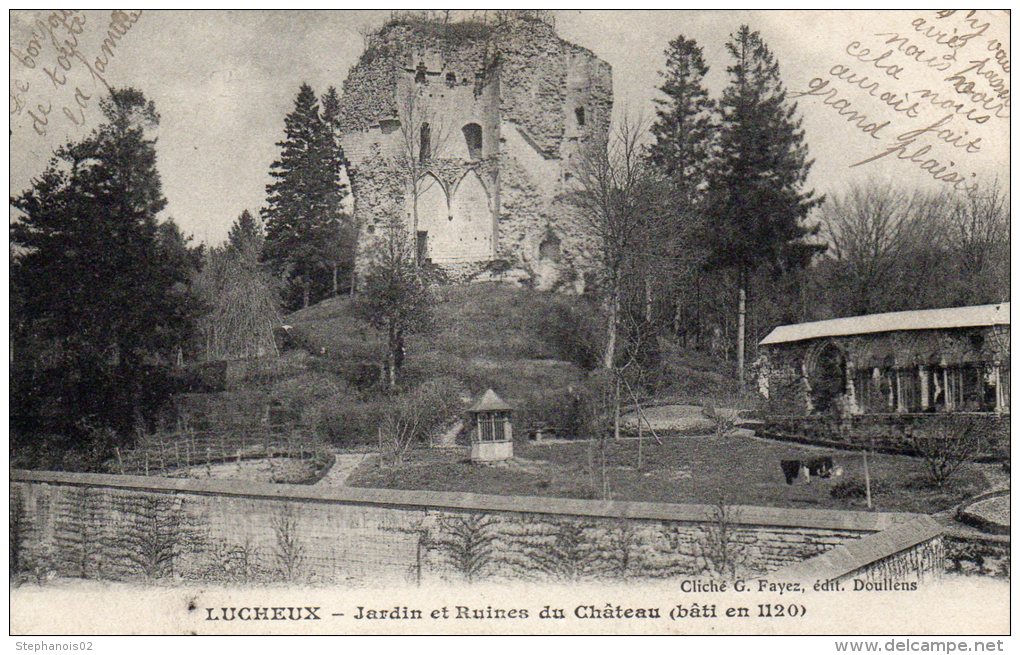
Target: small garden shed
492,437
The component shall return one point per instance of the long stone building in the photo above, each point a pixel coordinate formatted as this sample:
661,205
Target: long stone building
469,133
881,375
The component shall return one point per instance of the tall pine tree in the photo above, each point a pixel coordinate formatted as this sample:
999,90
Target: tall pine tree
684,131
757,183
683,127
100,285
302,216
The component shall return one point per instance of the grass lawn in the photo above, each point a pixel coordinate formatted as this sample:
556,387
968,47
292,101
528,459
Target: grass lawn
740,470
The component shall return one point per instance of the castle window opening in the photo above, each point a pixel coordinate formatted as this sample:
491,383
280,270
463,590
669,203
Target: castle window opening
419,74
579,115
425,149
550,248
451,79
473,138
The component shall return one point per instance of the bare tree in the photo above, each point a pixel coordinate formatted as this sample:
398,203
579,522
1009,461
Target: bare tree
946,445
623,202
871,228
977,230
718,548
288,551
413,417
614,186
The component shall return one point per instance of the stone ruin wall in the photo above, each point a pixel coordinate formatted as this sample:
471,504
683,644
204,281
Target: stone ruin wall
524,86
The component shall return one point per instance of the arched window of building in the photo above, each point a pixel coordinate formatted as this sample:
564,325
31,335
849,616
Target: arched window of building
828,379
579,115
473,138
425,147
451,79
419,74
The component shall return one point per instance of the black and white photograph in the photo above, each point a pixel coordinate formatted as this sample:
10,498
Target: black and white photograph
510,321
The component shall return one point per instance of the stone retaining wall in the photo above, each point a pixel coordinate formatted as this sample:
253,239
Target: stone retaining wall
123,527
907,552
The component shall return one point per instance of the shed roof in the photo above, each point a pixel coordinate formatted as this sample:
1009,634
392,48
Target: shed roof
490,402
923,319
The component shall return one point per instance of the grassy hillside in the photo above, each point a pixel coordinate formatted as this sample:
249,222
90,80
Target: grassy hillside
534,348
531,347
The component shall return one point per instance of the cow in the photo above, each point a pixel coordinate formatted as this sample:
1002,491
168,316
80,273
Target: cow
819,467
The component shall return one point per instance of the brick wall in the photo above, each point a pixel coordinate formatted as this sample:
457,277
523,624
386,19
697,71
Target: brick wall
122,527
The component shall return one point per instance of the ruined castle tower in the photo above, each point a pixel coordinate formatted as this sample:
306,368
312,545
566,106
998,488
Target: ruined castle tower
469,132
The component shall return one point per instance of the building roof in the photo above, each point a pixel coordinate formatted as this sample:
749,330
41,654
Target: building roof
490,402
924,319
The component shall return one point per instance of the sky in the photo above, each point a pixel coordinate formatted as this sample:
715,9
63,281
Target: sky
223,82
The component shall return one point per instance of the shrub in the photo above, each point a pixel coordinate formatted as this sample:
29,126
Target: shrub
854,489
946,445
352,423
560,410
724,421
418,415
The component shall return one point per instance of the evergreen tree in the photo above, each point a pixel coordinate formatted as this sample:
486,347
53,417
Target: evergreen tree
757,183
246,234
684,131
100,285
683,128
303,213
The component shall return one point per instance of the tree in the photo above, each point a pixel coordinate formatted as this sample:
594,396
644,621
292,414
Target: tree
683,129
395,298
99,285
246,234
872,229
622,198
758,178
977,231
241,296
303,213
614,186
684,132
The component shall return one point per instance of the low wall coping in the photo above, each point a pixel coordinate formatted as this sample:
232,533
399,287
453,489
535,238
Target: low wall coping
824,519
855,555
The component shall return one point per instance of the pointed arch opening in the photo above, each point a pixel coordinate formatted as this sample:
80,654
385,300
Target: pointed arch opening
433,217
472,219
